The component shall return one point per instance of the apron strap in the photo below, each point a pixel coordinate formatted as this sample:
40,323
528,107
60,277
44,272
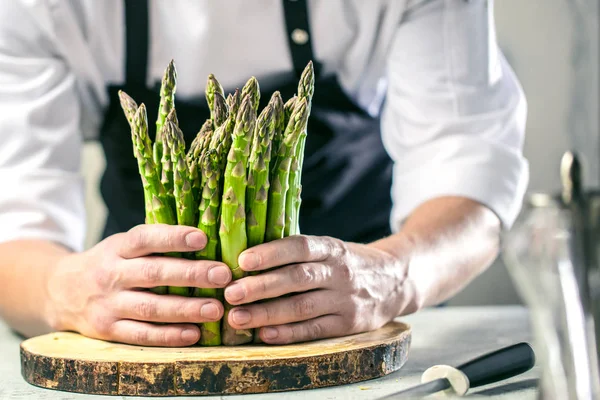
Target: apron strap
299,35
136,42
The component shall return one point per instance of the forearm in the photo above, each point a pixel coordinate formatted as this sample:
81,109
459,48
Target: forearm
446,242
25,266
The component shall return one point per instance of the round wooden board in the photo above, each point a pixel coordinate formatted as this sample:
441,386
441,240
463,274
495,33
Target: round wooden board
74,363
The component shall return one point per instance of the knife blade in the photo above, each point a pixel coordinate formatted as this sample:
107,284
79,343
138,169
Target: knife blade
492,367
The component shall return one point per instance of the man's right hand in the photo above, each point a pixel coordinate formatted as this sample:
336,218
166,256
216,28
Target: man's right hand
101,292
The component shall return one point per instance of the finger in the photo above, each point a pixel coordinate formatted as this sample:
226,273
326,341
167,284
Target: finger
276,283
147,334
327,326
153,271
145,306
289,250
143,240
297,308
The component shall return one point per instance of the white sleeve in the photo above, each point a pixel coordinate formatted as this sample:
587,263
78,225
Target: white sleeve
454,118
41,192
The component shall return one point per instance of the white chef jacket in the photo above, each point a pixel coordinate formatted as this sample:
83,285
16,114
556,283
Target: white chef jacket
453,112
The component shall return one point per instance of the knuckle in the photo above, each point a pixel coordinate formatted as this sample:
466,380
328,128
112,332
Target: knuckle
336,248
101,323
150,271
136,237
303,308
146,309
195,274
270,314
346,273
304,244
303,274
141,336
314,330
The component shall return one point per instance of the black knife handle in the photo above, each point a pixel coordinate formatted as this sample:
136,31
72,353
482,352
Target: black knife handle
499,365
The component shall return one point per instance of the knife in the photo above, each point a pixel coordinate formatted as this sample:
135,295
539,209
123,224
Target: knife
490,368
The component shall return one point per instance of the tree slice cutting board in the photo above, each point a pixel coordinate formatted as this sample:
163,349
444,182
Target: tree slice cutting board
71,362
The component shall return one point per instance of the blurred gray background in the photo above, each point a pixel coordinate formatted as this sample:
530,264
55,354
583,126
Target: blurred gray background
553,47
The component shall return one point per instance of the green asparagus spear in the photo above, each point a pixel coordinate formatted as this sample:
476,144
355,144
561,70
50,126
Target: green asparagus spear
166,172
167,101
185,205
147,167
184,200
288,107
193,158
281,171
130,107
252,89
221,110
306,88
156,209
209,217
232,231
212,86
233,102
196,145
258,176
209,205
233,216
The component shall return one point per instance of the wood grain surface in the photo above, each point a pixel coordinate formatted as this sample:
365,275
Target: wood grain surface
71,362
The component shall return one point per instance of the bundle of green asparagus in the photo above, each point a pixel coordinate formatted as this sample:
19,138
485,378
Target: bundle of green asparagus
238,181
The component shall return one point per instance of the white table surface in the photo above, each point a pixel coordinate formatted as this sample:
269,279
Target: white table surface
451,335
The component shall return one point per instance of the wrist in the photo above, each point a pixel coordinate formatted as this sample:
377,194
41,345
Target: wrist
55,283
401,249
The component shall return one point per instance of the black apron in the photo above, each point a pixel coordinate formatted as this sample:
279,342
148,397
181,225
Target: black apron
346,179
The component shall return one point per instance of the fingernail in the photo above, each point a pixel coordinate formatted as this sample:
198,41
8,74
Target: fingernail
248,261
241,317
196,240
235,293
190,335
219,275
210,311
270,333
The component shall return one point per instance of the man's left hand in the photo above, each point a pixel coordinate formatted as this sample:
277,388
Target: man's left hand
314,287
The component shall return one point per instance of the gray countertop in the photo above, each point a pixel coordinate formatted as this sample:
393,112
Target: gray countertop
450,336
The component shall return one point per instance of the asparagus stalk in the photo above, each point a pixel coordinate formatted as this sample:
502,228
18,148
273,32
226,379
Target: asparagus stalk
258,173
130,107
146,165
281,171
193,157
232,231
167,100
166,171
209,216
306,88
252,89
288,108
233,102
182,188
209,205
185,205
258,176
221,110
157,210
212,87
223,137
